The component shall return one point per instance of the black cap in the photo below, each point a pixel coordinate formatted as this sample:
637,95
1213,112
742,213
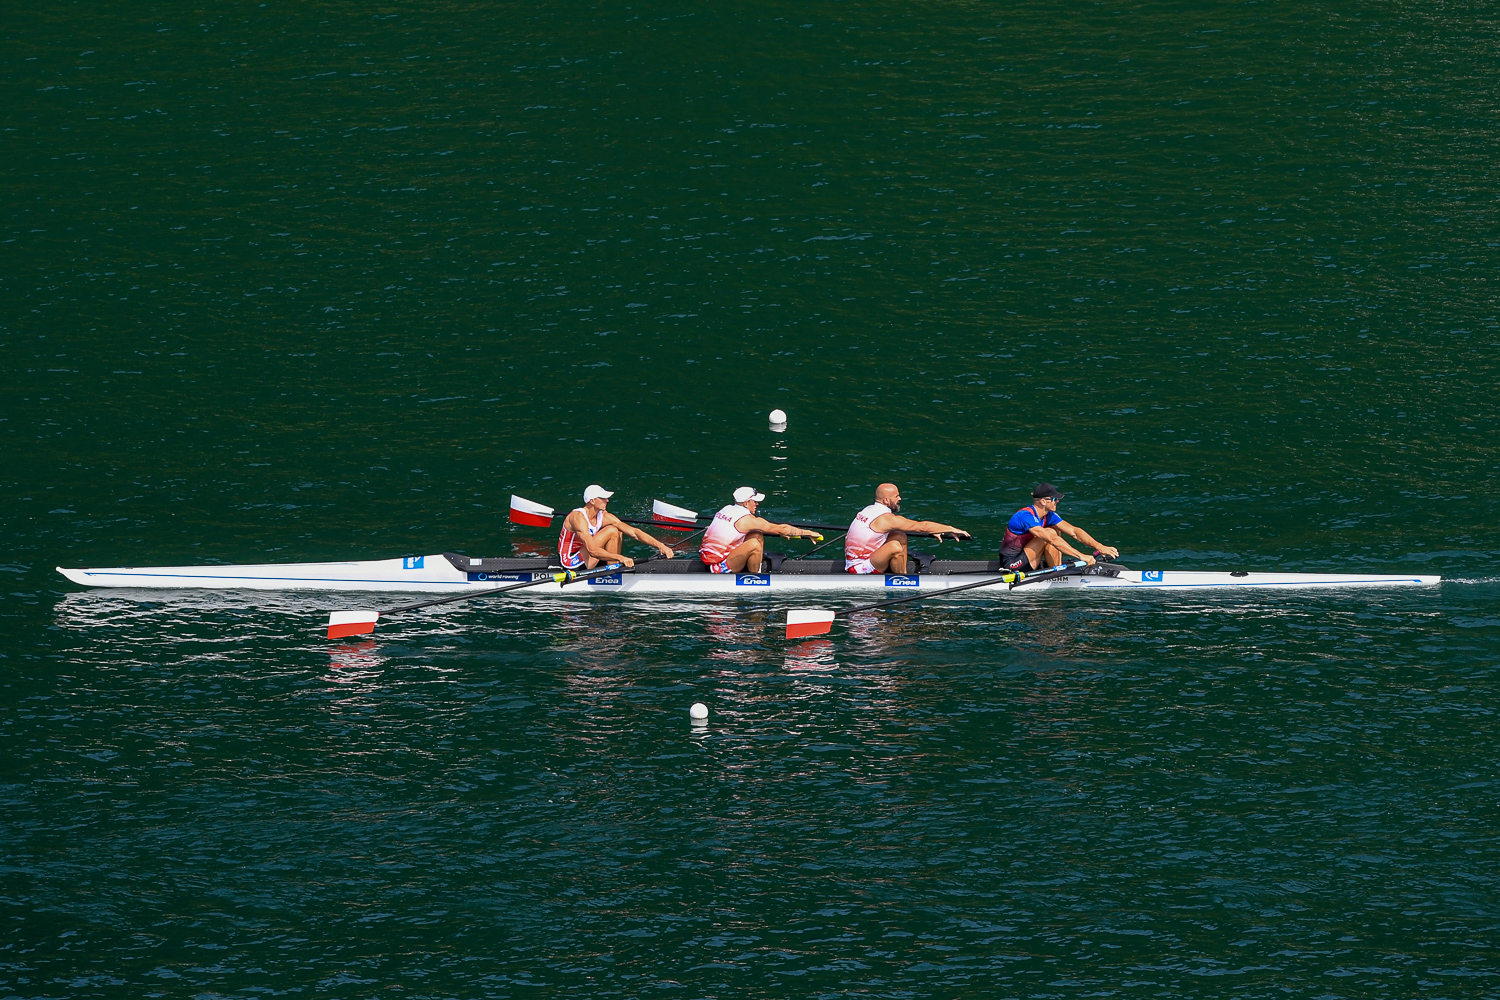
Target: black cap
1046,491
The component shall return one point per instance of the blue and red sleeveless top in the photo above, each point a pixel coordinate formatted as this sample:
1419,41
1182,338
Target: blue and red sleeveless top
1018,528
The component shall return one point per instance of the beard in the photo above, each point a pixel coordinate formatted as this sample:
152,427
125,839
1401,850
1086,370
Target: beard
895,508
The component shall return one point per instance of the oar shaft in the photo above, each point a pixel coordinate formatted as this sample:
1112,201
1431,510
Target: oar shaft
1017,577
567,576
820,545
679,526
687,538
647,522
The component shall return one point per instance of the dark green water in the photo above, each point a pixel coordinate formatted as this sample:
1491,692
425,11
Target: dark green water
288,283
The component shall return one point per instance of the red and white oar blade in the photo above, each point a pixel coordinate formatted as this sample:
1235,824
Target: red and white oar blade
665,513
342,623
523,511
801,622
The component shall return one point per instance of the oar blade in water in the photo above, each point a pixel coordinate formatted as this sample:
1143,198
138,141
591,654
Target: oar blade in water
802,622
342,623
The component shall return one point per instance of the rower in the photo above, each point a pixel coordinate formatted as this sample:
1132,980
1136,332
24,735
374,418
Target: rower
735,539
592,535
876,542
1034,537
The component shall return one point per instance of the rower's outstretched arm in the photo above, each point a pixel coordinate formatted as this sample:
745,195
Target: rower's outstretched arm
937,528
760,524
1054,537
642,537
1088,539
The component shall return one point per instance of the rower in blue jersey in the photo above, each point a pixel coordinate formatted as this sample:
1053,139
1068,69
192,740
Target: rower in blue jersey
1034,536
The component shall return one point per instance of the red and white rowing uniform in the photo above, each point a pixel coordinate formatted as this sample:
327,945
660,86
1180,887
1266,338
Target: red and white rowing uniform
569,546
722,538
862,541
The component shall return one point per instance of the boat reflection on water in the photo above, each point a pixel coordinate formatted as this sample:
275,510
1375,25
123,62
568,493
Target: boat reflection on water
738,636
527,548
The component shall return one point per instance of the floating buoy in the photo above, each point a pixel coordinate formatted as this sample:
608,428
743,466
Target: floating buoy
778,420
699,712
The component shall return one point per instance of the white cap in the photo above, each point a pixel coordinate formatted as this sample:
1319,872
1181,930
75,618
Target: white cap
596,492
747,493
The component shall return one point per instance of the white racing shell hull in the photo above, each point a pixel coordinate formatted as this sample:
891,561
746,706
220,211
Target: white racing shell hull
437,574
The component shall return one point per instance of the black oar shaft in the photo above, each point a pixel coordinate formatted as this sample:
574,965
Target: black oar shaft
820,545
687,538
677,526
666,525
1017,578
550,578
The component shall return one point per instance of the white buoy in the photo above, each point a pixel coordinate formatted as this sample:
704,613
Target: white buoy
699,712
778,420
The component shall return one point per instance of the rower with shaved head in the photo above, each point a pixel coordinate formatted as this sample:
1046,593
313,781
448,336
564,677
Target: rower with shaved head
592,535
876,542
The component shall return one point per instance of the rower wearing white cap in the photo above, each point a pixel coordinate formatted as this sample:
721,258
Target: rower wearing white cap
592,535
735,539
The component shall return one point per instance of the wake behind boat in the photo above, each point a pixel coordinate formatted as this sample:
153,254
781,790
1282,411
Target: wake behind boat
453,573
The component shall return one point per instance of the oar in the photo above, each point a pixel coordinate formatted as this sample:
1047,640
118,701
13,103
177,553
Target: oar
821,545
536,515
686,538
801,622
670,514
346,623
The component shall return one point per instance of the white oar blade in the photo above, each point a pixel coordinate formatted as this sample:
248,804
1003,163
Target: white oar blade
523,511
666,513
801,622
342,623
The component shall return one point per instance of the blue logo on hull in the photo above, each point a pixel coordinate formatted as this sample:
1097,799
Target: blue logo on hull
1151,576
751,580
611,580
506,577
412,562
897,580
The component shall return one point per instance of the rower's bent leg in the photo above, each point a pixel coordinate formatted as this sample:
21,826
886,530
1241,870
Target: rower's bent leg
745,557
1037,553
891,557
610,539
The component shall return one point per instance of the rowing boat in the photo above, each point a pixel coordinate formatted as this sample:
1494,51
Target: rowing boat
453,573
